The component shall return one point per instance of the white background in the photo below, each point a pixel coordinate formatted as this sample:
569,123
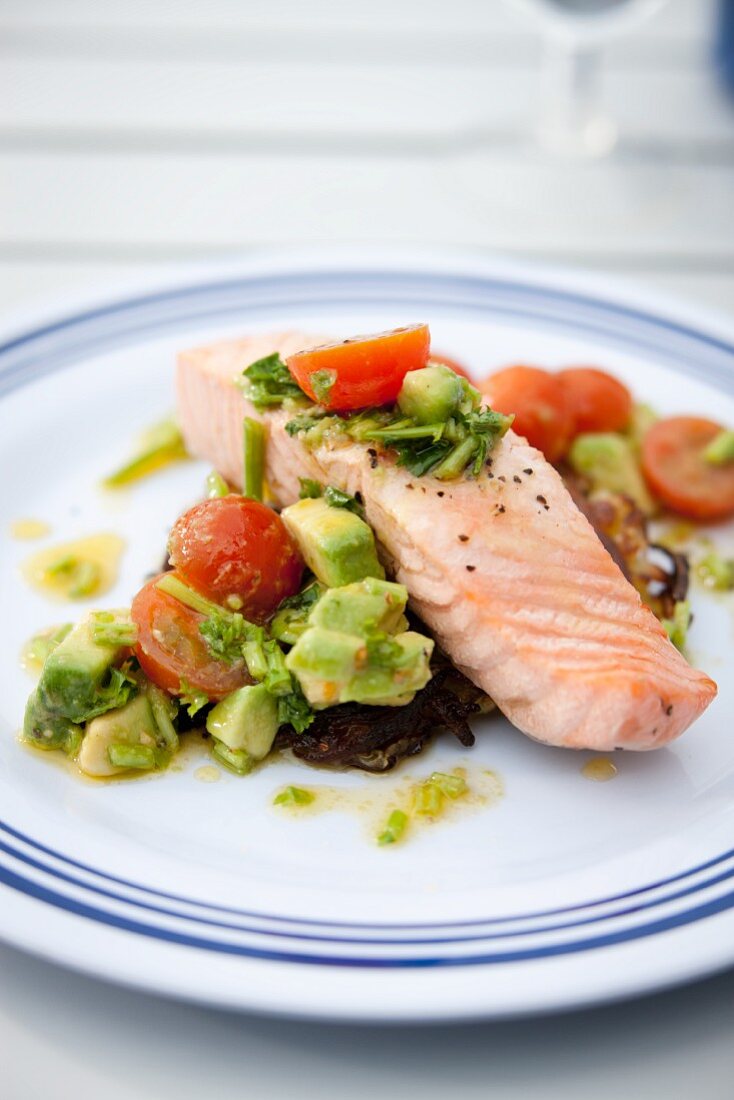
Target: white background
142,134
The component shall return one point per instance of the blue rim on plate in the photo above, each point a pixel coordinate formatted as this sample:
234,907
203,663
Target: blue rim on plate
46,349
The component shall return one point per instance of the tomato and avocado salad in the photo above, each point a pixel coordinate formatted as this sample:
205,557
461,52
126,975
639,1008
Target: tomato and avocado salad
281,628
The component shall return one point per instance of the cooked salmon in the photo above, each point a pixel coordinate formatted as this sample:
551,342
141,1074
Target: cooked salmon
504,569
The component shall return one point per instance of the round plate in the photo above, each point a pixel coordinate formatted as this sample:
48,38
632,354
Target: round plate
561,892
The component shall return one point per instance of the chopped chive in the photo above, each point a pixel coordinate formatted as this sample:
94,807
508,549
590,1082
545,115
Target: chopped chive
161,706
428,799
161,445
293,796
86,580
216,486
456,460
106,630
322,382
396,825
677,627
720,451
254,459
139,757
187,596
236,760
278,678
716,572
452,785
407,430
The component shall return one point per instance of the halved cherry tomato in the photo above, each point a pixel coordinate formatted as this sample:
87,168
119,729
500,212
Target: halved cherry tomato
363,371
673,464
452,364
171,649
237,552
539,405
598,401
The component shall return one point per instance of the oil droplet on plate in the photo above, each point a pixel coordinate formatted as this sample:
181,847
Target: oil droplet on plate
77,570
600,770
207,773
27,529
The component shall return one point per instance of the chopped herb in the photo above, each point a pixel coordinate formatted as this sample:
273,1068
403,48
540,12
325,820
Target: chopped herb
159,446
428,799
236,760
187,596
291,618
294,709
720,451
216,486
396,825
253,476
451,785
294,796
119,689
191,698
108,630
716,572
677,627
338,499
268,383
277,678
225,636
164,711
310,489
322,382
139,757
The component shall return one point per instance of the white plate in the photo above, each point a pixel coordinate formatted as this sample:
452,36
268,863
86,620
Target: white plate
565,892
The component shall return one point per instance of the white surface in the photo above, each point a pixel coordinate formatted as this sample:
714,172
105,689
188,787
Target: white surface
673,1045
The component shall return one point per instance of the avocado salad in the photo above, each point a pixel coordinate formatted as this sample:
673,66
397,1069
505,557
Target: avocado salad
268,629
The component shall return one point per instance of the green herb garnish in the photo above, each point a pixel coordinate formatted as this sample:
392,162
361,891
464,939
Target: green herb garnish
677,627
106,629
253,477
294,796
192,698
294,709
396,825
268,383
138,757
716,572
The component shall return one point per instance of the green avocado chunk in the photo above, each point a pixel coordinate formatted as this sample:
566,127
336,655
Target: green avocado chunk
75,673
246,721
132,728
609,461
337,545
49,731
430,395
363,608
334,667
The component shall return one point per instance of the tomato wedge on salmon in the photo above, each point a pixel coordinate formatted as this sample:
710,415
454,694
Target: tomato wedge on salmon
363,371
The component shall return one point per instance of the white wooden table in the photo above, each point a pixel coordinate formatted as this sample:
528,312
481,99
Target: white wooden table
151,132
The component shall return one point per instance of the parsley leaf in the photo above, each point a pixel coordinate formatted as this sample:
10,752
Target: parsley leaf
310,489
225,636
268,382
191,698
294,709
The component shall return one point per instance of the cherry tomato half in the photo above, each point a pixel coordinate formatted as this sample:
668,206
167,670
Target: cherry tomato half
539,405
171,649
237,552
363,371
452,364
598,401
679,476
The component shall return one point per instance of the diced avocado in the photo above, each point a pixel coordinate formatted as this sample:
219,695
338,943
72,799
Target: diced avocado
332,667
246,721
324,662
49,731
75,672
430,395
337,545
132,726
609,462
363,608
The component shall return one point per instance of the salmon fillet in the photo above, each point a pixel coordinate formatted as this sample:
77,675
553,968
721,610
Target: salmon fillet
504,569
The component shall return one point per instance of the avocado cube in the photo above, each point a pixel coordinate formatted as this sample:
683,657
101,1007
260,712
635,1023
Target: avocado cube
431,395
337,545
609,461
324,662
49,731
74,672
363,608
394,682
246,721
131,725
